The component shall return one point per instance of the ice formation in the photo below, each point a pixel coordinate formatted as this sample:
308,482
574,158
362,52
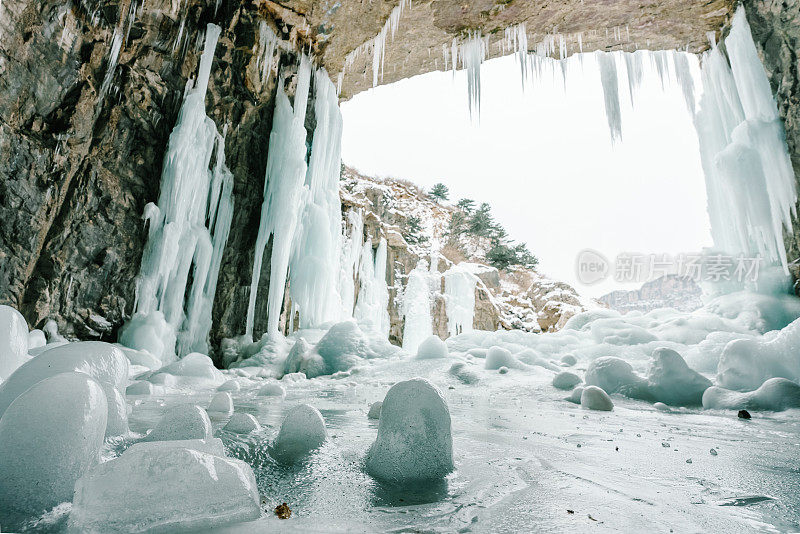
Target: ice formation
594,398
749,177
372,307
608,78
184,421
242,423
497,357
432,348
117,420
36,339
188,228
192,370
272,390
414,440
375,410
13,340
49,437
566,380
172,489
417,308
351,260
302,431
459,290
775,394
673,382
221,404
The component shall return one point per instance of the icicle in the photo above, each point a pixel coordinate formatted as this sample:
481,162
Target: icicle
634,67
267,44
113,58
186,229
516,38
472,53
459,290
351,260
608,77
683,75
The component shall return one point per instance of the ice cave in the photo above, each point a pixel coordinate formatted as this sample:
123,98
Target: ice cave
214,317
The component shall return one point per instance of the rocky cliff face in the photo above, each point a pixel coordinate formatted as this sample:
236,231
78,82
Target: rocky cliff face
670,291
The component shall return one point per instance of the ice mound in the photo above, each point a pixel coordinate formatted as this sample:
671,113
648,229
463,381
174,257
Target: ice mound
497,357
242,423
140,387
618,331
36,339
671,381
117,422
566,380
13,340
300,360
745,364
151,333
302,431
49,436
575,396
101,361
432,348
342,347
221,404
614,375
478,353
375,410
594,398
462,371
661,407
230,385
414,440
580,320
185,421
755,311
140,358
211,446
272,390
170,489
776,394
531,357
195,370
569,360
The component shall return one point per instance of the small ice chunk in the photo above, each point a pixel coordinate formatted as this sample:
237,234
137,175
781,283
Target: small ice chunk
414,440
302,431
462,371
230,385
242,423
497,357
503,370
594,398
221,404
184,421
614,375
36,339
673,382
575,397
140,387
569,360
432,348
661,407
170,489
194,369
49,436
272,390
13,340
566,380
775,394
375,410
298,361
478,353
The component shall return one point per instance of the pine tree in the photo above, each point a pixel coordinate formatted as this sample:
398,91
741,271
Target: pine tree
439,192
466,205
412,232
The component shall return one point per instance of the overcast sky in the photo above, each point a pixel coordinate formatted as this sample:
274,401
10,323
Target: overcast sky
543,159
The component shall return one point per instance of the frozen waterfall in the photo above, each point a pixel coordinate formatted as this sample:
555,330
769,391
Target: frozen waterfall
372,308
417,308
459,291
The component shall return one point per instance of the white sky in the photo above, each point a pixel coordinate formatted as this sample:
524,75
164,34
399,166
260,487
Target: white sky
543,159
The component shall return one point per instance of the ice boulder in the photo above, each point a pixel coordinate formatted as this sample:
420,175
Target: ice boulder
170,489
184,421
151,333
414,440
230,385
242,423
301,360
13,340
566,380
594,398
102,361
569,360
221,404
497,357
302,431
375,410
272,390
49,436
117,423
575,396
432,348
36,339
211,446
140,387
342,347
194,369
462,371
615,375
531,357
776,394
140,357
671,381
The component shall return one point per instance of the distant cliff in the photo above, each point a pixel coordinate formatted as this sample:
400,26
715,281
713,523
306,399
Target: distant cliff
670,291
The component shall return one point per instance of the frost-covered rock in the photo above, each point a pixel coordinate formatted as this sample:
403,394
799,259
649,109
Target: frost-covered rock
497,357
462,371
164,489
615,375
221,404
414,440
102,361
117,422
775,394
272,390
302,431
594,398
432,348
375,410
36,339
671,381
49,436
184,421
13,340
242,423
566,380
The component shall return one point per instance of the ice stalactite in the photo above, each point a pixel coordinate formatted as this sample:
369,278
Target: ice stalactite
351,259
743,151
283,194
314,266
113,59
683,75
188,227
459,290
265,52
634,67
417,308
372,308
472,53
608,77
516,38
